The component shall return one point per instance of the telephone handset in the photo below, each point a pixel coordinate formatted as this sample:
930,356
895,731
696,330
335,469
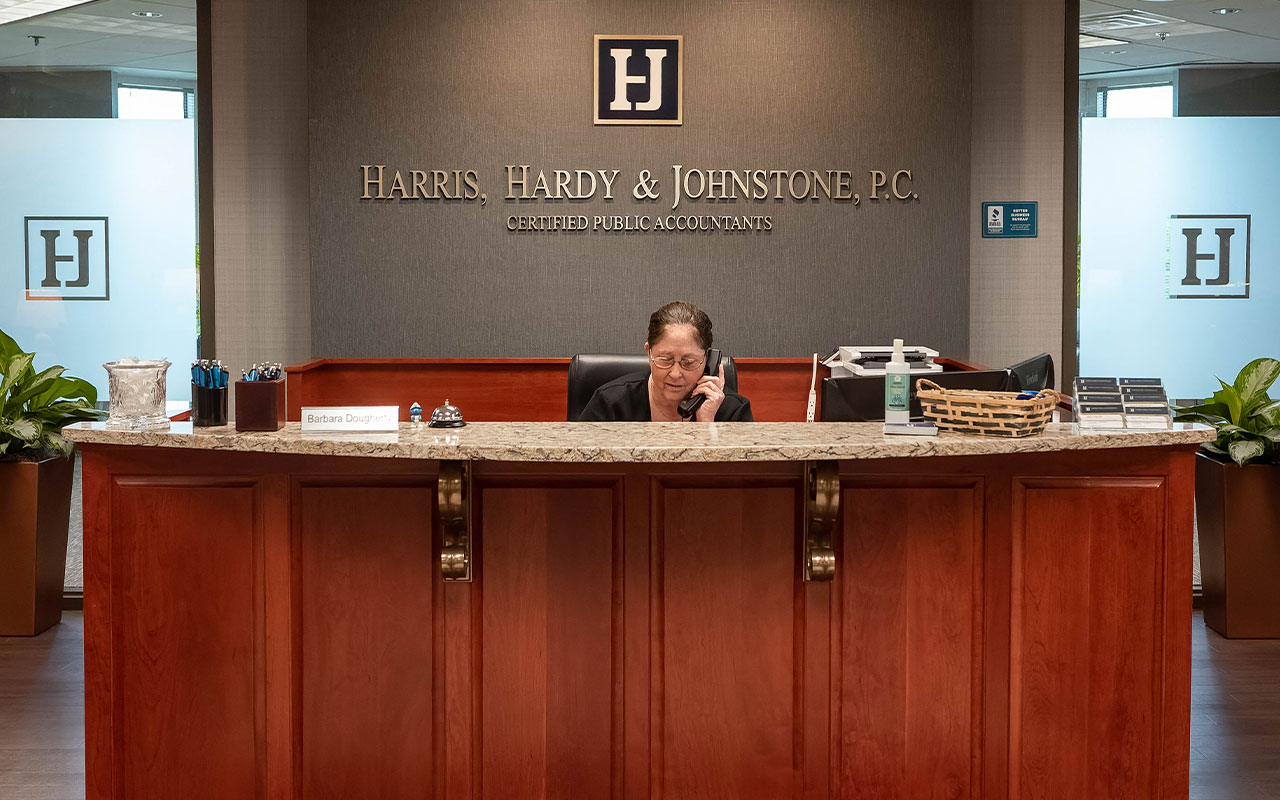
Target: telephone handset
690,405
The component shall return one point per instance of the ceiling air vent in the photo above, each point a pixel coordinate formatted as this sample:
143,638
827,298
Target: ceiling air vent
1117,21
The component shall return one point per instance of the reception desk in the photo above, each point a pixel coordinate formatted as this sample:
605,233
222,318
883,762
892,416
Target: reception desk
595,610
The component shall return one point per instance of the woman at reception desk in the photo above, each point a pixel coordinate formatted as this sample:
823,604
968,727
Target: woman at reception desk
526,610
682,368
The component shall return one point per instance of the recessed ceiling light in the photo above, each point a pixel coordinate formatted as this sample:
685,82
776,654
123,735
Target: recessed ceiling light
14,10
148,14
1113,52
1226,11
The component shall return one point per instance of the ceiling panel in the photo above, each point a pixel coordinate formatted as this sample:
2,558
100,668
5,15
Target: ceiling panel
14,41
105,34
1089,7
180,62
1253,35
1088,67
174,13
1236,45
1140,55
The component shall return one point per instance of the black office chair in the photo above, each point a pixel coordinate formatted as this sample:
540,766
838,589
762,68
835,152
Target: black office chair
590,371
1035,373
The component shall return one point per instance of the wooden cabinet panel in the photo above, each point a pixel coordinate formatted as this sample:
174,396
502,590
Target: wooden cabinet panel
369,588
908,704
184,643
1086,617
728,619
274,627
548,583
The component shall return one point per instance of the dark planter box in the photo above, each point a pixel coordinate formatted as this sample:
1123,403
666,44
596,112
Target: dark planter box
35,503
1238,514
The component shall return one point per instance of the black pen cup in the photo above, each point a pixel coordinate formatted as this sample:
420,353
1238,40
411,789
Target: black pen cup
208,406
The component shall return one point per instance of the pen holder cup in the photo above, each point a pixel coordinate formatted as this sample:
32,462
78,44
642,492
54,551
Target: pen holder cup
260,405
208,406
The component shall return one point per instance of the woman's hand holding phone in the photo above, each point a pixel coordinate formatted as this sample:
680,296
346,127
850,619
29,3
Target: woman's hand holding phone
712,387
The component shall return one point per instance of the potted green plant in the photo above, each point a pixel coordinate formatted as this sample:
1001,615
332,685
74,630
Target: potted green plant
1238,504
35,486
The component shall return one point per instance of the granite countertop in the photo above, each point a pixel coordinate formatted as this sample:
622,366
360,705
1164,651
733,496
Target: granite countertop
632,441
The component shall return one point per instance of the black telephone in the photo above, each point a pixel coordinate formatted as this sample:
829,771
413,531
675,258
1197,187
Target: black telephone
690,405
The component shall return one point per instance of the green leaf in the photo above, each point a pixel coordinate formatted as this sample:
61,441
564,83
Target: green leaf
1230,398
34,387
1244,450
1271,435
25,430
52,440
1202,418
1212,447
13,370
1265,409
67,389
1253,381
41,405
8,347
1211,413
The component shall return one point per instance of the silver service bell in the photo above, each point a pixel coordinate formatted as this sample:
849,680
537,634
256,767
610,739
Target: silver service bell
447,416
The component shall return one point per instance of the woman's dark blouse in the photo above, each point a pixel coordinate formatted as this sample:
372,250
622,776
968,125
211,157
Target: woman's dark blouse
626,399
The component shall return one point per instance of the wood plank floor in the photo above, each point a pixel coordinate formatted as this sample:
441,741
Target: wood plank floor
1235,715
42,713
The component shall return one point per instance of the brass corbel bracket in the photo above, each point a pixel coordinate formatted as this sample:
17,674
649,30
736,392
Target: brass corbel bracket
822,502
454,508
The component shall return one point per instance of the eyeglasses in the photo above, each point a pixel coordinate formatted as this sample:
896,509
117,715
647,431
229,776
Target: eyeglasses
688,363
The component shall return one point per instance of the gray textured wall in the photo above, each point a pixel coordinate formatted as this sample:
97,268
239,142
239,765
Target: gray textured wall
841,84
1228,91
1018,138
258,124
56,93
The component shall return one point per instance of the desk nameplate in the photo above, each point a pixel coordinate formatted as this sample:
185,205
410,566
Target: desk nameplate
350,418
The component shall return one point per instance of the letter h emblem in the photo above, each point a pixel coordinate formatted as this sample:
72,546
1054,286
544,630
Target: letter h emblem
638,80
1198,244
67,258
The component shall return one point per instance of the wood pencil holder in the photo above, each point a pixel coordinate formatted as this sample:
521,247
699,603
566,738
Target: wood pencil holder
260,405
986,413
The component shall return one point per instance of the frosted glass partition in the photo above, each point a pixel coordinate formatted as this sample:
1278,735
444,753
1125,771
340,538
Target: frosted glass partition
97,239
1180,255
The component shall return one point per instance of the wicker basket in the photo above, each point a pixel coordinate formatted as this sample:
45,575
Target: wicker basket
985,413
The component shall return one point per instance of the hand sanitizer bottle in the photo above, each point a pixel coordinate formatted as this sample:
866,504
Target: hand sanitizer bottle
897,388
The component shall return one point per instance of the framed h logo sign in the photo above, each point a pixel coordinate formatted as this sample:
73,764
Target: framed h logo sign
1208,256
67,258
639,80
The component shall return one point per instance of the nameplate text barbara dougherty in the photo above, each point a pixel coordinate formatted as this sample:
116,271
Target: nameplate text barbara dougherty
350,418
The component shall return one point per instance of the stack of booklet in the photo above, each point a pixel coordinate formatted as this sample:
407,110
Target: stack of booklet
1121,403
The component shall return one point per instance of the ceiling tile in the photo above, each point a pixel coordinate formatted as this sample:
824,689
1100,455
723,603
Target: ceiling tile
174,13
1231,44
179,62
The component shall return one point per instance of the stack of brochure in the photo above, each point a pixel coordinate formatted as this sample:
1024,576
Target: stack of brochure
1121,403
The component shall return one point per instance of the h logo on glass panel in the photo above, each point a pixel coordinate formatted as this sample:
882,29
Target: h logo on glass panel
1208,256
639,80
66,258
